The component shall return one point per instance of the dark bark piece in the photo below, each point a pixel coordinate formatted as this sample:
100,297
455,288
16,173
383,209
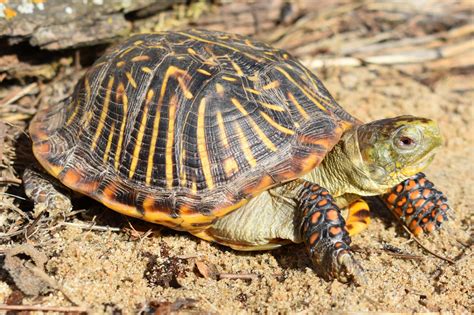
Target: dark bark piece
58,24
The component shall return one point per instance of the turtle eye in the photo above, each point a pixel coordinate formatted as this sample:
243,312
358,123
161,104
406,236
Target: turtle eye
406,142
408,138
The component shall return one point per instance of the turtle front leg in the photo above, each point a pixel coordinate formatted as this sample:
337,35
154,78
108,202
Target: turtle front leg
418,204
325,235
46,193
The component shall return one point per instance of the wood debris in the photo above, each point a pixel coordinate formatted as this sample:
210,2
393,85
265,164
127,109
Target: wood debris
28,274
207,270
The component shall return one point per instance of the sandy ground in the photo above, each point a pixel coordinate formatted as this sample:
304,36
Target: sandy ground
127,269
108,271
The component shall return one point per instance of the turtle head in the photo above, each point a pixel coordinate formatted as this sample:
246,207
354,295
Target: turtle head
394,149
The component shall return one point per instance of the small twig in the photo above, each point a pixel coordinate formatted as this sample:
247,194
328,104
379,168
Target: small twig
11,234
20,212
427,249
25,91
400,254
10,180
404,256
244,276
12,195
3,133
92,227
31,228
413,237
43,308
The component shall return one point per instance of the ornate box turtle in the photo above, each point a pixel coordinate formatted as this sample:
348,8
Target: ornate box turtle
235,142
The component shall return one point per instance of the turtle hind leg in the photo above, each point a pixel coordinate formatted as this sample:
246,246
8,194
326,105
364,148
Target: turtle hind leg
46,193
325,235
418,204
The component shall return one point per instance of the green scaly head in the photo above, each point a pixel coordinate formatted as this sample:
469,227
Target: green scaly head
393,149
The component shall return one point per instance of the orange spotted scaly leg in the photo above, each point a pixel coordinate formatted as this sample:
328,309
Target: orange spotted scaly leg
325,235
358,217
418,204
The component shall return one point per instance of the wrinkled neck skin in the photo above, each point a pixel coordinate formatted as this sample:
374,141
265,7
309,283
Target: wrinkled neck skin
342,171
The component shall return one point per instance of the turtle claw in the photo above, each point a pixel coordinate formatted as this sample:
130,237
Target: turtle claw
347,269
56,205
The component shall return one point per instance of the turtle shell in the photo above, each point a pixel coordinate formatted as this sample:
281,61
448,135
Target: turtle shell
180,128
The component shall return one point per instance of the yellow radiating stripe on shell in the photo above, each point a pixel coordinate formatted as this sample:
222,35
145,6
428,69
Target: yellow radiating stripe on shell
254,125
220,44
155,46
194,186
252,91
210,62
227,78
103,114
131,79
244,145
74,113
141,58
109,142
305,92
170,141
182,172
219,89
272,107
147,70
140,135
121,92
237,69
151,153
120,64
88,88
298,105
222,133
97,65
276,125
254,77
202,146
171,71
325,101
204,72
249,43
126,51
272,85
187,93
